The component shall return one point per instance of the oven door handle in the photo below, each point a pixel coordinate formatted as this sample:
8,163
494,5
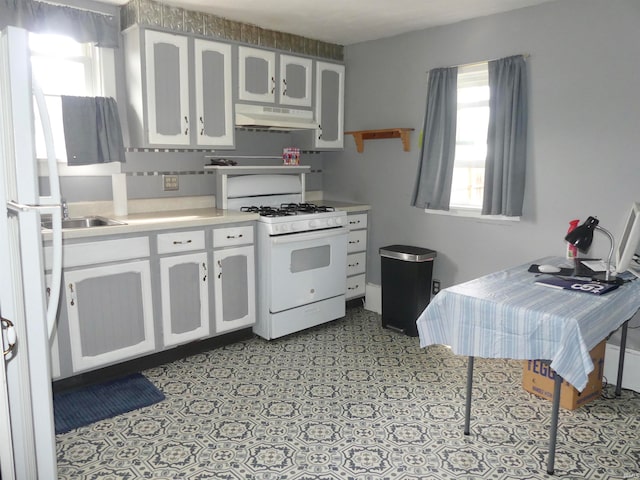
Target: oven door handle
301,237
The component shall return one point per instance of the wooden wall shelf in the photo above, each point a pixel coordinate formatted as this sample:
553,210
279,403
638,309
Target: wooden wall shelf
361,135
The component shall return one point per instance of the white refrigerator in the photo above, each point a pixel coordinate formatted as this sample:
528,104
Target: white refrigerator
27,307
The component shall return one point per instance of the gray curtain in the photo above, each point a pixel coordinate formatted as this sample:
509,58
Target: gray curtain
435,171
83,26
507,137
92,130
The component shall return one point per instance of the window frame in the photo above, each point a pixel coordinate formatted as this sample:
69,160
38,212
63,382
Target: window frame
468,211
100,74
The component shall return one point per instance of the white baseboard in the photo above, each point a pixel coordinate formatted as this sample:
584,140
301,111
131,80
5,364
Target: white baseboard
631,373
373,298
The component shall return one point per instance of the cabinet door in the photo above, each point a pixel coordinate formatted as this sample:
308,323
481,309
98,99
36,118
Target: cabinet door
256,75
214,121
234,290
185,298
110,313
329,105
295,81
167,88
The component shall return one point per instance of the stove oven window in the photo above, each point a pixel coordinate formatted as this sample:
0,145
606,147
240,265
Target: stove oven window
310,258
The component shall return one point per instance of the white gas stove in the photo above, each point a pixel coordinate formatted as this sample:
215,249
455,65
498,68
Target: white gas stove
301,254
297,217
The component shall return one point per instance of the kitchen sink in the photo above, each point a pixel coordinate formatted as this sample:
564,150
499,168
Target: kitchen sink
84,222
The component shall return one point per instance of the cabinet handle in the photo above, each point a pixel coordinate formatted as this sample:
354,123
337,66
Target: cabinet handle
229,237
354,264
72,295
355,287
186,128
354,222
202,129
204,267
354,241
320,134
11,335
220,266
284,89
180,242
273,85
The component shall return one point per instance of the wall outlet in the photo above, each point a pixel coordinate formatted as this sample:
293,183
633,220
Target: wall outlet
170,182
435,286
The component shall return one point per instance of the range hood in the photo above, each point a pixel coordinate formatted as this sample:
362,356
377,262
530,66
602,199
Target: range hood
274,118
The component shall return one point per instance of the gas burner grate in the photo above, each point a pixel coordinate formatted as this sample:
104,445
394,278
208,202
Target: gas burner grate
287,209
305,208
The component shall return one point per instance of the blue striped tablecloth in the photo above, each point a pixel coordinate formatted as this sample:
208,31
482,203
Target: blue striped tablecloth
506,315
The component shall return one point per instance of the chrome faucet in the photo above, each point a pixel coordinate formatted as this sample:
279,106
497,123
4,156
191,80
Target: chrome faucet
65,209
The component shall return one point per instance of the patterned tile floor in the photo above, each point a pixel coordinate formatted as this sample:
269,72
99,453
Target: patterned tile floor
349,400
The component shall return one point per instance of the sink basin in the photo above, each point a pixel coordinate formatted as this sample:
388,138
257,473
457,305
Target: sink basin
84,222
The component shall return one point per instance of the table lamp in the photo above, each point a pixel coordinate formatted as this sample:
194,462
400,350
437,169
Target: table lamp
581,238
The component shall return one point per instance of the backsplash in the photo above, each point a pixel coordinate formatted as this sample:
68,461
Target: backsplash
149,12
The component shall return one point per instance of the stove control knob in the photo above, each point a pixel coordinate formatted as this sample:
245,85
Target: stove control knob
330,222
294,227
313,223
338,220
285,227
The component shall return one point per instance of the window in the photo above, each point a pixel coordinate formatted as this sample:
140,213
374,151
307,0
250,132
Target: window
62,66
467,187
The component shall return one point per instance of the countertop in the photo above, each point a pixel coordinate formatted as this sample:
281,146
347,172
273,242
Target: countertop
184,218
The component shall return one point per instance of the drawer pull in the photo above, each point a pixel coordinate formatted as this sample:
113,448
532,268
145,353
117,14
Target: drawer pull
355,287
204,268
354,222
181,242
354,264
234,236
354,241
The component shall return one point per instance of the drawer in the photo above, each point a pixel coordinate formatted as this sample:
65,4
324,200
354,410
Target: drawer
224,237
100,251
180,242
357,241
355,286
357,221
356,263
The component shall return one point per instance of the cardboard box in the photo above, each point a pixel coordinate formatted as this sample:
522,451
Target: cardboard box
539,378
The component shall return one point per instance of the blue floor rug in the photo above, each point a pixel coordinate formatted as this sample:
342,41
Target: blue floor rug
84,406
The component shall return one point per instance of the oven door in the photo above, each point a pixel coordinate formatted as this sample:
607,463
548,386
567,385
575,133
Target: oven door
307,267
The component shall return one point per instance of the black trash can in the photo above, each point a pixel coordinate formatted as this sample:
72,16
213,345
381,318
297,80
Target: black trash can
406,286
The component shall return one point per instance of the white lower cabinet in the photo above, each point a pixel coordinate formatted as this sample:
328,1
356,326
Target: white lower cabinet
234,278
184,286
356,254
110,313
234,288
185,298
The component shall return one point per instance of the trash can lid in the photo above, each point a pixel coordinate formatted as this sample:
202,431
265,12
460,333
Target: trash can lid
407,253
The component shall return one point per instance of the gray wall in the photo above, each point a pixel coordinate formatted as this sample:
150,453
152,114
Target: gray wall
583,158
145,169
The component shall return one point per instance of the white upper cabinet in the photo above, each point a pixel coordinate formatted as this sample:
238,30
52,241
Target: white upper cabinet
178,96
295,81
214,119
329,106
256,75
167,88
258,82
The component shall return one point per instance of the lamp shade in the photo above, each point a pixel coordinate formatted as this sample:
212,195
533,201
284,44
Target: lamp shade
582,236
